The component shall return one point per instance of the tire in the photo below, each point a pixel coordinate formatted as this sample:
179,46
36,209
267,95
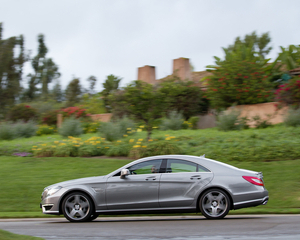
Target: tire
214,204
93,217
78,207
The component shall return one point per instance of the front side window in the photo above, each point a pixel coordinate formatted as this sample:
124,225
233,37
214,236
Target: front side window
148,167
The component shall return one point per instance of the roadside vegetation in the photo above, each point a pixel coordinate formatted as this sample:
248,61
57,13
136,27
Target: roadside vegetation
4,235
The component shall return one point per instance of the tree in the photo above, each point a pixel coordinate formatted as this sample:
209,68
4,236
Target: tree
110,85
73,92
45,70
183,97
10,69
289,57
143,102
253,41
57,93
240,78
92,80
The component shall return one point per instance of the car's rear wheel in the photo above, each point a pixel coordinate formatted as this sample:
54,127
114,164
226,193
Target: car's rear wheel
78,207
214,204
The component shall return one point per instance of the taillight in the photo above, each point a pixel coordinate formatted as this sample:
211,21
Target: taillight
254,180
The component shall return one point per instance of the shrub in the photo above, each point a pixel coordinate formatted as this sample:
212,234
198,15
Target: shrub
260,123
292,118
155,148
22,112
45,130
173,122
6,131
25,130
194,122
90,127
50,117
289,93
113,131
76,112
71,127
229,120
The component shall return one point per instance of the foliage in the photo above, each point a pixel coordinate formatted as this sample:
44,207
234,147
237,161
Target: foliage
261,123
289,93
45,130
143,102
229,120
113,131
56,93
73,92
240,78
25,129
22,112
6,131
194,122
5,235
76,112
257,43
71,127
183,96
90,127
174,121
110,85
93,104
11,66
155,148
50,118
45,70
9,130
289,57
292,119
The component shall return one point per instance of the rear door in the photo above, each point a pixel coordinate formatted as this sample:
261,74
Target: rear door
181,183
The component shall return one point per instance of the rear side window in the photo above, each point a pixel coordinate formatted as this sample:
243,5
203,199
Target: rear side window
176,166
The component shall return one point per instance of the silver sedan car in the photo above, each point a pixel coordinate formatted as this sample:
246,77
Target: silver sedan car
158,184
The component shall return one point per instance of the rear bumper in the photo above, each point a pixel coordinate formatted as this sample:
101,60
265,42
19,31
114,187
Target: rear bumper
251,203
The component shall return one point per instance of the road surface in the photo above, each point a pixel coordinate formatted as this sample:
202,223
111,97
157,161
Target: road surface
242,227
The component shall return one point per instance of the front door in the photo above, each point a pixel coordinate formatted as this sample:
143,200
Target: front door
137,190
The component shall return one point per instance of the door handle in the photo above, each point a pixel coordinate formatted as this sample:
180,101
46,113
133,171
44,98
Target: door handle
198,177
151,178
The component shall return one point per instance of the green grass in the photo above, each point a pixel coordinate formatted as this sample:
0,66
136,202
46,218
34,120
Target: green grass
4,235
22,180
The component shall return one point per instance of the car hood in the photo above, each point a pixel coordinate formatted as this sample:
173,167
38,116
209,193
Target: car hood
86,180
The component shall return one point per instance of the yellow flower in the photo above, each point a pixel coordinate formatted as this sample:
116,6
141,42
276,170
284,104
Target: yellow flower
168,138
167,135
53,146
98,142
34,146
144,146
56,142
136,146
128,128
62,144
138,142
125,135
119,141
131,140
150,140
139,130
98,147
39,149
142,126
106,147
77,145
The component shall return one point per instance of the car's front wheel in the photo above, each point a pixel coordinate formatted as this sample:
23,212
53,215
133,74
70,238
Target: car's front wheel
214,204
77,207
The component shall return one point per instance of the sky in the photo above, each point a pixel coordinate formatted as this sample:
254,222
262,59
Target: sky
103,37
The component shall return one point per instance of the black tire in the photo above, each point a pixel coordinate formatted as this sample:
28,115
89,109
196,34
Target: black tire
214,204
93,217
77,207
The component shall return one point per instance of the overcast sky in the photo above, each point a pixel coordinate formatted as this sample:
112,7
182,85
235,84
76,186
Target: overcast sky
103,37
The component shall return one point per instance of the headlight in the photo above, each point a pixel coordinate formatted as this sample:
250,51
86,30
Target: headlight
51,191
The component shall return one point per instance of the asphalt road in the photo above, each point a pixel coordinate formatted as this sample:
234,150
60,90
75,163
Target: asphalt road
242,227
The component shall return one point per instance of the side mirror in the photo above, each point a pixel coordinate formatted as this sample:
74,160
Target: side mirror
124,172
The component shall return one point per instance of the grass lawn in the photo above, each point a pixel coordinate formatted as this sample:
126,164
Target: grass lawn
4,235
22,180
